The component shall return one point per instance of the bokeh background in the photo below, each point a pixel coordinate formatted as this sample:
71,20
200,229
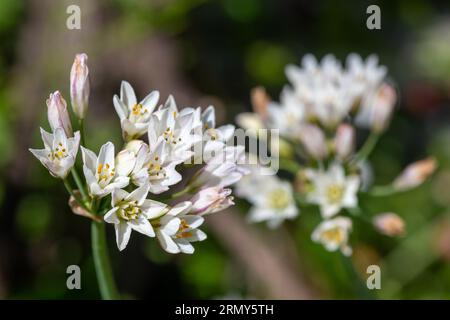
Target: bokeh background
214,52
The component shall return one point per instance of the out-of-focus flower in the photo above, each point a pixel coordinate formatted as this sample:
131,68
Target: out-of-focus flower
100,172
377,108
333,234
154,167
332,190
344,141
252,121
288,115
59,153
211,200
132,211
389,224
177,229
415,174
79,85
58,117
273,202
314,141
260,101
134,117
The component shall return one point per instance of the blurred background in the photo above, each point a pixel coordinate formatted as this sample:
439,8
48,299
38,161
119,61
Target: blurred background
214,52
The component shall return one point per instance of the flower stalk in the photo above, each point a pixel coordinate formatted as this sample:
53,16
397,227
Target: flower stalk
103,270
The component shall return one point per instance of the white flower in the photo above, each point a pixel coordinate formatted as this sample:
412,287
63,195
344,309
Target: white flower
272,201
100,173
176,128
154,167
177,229
134,117
58,117
132,211
223,169
333,234
333,190
59,153
79,85
363,76
288,115
211,200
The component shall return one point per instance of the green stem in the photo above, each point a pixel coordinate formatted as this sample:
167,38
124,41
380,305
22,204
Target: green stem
367,148
182,192
79,183
382,191
358,285
83,140
105,278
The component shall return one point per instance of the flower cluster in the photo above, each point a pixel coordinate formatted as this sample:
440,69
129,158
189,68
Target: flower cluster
143,187
318,118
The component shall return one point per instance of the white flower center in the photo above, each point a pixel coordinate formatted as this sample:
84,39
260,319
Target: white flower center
182,231
170,137
59,153
334,193
335,235
155,169
129,210
278,199
104,174
139,113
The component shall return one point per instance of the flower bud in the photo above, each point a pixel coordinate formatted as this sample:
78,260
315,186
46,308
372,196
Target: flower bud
313,139
125,161
260,101
389,224
344,141
415,174
58,117
134,145
382,108
79,85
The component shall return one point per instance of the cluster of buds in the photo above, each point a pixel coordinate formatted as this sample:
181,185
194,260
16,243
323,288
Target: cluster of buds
144,187
318,118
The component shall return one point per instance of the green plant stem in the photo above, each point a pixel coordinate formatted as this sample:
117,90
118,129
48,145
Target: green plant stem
83,140
368,147
358,285
79,183
382,191
105,278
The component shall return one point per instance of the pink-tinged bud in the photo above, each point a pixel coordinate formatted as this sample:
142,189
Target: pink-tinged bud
344,141
383,107
58,117
260,101
314,141
415,174
389,224
211,200
79,85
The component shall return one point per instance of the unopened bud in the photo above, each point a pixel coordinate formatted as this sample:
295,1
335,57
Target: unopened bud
389,224
260,101
79,85
344,142
58,117
314,141
383,107
415,174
